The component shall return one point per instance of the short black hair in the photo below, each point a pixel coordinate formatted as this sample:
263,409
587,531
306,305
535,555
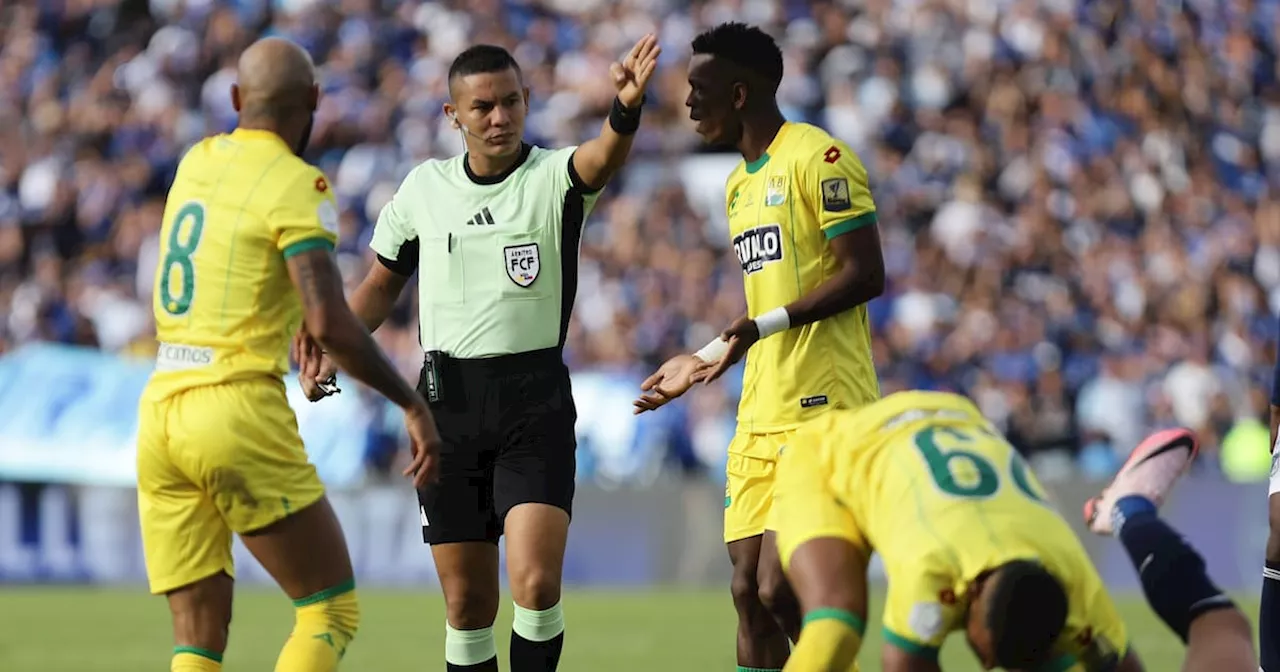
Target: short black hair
744,45
1026,612
482,58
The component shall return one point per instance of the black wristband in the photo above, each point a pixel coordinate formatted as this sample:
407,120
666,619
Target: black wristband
623,120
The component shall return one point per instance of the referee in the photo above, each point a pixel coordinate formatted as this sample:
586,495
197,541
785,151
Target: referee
494,234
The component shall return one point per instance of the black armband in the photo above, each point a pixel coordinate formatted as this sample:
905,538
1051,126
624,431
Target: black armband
624,120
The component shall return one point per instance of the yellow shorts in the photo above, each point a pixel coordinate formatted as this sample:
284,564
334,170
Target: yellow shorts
212,461
749,484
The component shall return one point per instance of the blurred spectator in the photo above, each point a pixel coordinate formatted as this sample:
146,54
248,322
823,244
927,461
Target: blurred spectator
1075,197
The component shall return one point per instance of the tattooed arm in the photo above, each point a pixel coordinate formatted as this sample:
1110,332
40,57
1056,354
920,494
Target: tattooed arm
344,337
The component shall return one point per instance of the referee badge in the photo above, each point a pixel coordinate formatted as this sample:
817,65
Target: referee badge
522,263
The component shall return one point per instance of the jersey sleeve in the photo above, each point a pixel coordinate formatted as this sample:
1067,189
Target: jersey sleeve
575,198
305,216
920,610
395,240
834,184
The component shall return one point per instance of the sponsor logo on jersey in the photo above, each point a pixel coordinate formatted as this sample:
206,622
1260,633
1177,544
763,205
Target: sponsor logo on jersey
817,400
322,185
522,263
758,247
179,357
482,218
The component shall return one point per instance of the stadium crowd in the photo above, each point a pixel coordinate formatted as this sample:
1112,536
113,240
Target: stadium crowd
1077,198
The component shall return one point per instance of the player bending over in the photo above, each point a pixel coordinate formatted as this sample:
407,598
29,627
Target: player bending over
249,230
968,542
1218,636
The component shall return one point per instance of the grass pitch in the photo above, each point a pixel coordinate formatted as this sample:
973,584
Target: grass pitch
83,629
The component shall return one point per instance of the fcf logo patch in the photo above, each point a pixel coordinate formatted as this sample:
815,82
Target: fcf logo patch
522,263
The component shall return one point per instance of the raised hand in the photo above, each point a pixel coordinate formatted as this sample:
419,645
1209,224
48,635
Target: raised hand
631,76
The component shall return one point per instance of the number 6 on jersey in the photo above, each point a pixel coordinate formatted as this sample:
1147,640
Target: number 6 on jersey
184,237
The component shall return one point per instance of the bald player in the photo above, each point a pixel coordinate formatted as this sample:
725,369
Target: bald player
245,256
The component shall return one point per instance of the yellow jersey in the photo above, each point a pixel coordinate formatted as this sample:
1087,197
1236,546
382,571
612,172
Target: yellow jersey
225,308
783,208
924,480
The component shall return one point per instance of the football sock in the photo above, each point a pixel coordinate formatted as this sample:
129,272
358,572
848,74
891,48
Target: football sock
469,650
1269,618
324,624
1173,574
829,641
194,659
536,639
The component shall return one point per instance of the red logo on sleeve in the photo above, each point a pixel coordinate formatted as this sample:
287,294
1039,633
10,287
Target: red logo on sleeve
831,155
321,185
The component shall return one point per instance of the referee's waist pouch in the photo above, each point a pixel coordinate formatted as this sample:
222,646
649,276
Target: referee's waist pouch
444,377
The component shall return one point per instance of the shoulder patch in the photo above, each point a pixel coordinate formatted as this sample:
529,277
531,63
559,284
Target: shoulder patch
831,155
328,216
322,185
925,620
835,194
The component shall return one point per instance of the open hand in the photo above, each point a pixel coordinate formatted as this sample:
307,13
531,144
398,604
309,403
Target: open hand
631,76
671,380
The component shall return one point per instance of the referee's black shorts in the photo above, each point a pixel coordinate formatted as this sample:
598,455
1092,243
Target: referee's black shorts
508,428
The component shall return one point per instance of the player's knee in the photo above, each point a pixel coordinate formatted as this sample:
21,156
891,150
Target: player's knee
536,588
773,590
471,605
745,590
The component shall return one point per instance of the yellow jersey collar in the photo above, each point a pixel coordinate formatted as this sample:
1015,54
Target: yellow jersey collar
258,135
774,148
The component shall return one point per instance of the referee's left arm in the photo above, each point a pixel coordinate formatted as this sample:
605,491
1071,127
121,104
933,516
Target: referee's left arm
597,160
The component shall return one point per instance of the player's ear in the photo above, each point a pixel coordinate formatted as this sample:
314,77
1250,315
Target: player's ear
235,97
526,99
739,90
451,113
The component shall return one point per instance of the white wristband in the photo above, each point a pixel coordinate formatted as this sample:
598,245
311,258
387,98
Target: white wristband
713,351
773,322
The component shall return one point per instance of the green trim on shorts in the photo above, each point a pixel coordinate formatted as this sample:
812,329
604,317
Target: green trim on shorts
851,224
913,648
197,651
306,246
831,613
327,594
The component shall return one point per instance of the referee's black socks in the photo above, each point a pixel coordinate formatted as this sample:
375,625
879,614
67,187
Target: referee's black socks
469,650
536,639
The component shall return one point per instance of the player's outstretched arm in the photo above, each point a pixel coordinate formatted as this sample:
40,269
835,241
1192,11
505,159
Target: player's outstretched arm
859,280
675,377
596,160
829,577
330,322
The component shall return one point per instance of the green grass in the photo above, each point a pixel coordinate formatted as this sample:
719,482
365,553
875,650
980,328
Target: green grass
79,629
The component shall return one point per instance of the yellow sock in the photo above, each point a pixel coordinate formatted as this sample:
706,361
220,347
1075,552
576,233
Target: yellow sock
325,624
194,659
829,642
